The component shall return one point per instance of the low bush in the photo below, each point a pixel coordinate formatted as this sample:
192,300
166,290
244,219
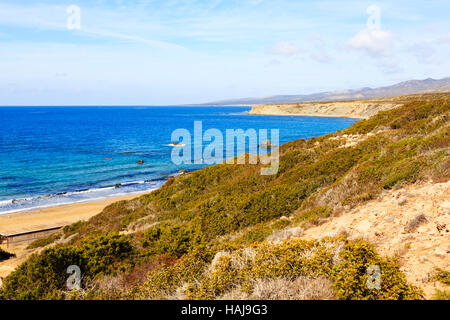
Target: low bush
441,295
43,242
4,255
442,276
43,276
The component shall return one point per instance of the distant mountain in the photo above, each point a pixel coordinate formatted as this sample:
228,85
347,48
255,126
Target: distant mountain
407,87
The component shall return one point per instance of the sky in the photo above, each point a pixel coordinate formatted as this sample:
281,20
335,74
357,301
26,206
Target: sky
169,52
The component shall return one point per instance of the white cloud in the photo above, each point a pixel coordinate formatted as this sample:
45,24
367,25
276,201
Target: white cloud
116,35
319,52
445,39
388,65
321,56
426,53
284,48
54,17
374,42
274,62
423,53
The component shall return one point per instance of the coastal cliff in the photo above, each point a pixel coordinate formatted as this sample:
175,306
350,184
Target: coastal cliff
361,109
357,109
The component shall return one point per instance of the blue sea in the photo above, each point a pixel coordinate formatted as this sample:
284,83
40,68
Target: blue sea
51,156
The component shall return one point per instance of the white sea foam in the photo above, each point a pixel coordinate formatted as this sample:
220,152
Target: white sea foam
175,145
81,196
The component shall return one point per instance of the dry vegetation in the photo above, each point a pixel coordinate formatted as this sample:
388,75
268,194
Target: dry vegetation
300,288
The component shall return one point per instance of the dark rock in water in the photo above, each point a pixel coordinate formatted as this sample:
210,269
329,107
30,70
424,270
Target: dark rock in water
118,185
140,162
266,144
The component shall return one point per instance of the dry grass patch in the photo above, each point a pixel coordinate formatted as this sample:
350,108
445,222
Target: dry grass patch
415,223
301,288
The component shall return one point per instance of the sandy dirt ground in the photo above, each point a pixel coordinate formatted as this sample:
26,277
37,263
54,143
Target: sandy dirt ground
422,244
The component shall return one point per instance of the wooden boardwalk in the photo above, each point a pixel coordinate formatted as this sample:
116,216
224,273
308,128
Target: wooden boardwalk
16,236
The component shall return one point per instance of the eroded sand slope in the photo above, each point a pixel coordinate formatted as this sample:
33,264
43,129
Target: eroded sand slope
388,223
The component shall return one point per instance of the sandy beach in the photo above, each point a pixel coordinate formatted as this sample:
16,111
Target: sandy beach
61,215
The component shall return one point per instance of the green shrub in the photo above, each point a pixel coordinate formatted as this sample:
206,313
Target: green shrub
313,215
350,275
167,239
43,276
441,295
442,276
4,255
44,241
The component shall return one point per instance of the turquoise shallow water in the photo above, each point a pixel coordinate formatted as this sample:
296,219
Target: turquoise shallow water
59,155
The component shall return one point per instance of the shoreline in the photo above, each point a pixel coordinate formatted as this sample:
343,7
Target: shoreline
286,114
93,194
58,215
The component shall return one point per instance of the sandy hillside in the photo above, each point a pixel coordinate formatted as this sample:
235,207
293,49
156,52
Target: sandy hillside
412,222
